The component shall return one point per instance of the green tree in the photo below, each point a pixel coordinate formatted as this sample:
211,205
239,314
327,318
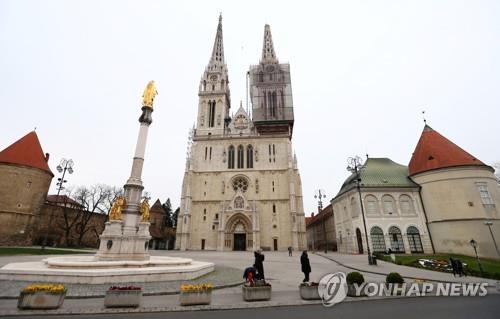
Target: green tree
174,217
167,207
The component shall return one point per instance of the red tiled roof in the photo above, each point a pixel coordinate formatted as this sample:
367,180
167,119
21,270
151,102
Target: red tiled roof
324,213
435,151
63,199
26,151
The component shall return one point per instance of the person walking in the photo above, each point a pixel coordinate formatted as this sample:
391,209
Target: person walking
259,264
305,265
453,264
460,268
289,251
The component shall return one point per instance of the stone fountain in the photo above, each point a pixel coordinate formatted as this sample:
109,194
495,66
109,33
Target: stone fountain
123,251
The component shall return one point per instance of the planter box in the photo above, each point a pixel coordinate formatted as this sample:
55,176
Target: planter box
256,293
195,298
40,300
122,298
351,291
309,292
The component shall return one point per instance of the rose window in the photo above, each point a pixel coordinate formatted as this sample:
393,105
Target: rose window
240,183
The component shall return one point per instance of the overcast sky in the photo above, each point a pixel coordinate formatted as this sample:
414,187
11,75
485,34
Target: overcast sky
362,72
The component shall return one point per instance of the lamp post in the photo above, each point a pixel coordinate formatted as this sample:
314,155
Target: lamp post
63,167
473,243
319,194
355,165
489,224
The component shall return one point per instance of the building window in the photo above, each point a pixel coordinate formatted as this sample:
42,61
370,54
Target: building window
406,205
210,153
240,183
211,113
484,193
388,203
206,150
274,208
414,240
273,186
396,239
377,238
249,156
216,216
230,162
240,156
371,205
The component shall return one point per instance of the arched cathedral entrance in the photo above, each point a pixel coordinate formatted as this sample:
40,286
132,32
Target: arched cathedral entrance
238,232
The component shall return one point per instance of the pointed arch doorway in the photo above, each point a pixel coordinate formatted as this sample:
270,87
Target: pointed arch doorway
238,232
240,238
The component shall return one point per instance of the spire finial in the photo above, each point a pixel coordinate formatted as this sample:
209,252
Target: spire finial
218,50
268,54
423,117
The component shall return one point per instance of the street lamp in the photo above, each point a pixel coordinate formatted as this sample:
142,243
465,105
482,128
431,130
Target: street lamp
489,224
355,165
473,243
319,194
63,167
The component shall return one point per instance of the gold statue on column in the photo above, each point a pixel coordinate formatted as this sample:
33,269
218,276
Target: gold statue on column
149,94
145,210
116,209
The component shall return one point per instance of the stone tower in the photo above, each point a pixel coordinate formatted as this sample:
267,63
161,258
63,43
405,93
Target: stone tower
241,187
271,91
214,99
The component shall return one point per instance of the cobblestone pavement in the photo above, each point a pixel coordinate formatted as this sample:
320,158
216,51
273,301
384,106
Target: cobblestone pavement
221,277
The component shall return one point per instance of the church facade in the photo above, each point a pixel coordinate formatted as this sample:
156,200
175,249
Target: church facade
241,187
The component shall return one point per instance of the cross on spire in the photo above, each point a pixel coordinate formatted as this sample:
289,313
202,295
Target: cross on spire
268,55
218,50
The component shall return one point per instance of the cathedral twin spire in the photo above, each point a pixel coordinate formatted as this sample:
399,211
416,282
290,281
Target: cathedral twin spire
268,54
218,50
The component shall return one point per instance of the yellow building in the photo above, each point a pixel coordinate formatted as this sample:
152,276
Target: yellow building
460,196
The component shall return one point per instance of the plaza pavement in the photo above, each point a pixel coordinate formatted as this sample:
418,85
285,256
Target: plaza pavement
282,271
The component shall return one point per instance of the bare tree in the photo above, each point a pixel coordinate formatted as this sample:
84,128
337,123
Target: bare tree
96,199
69,220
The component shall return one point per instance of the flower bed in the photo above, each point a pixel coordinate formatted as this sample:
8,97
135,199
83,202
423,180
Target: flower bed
126,296
196,294
257,292
309,291
42,296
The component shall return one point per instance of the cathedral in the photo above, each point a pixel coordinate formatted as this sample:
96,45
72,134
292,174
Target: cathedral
241,187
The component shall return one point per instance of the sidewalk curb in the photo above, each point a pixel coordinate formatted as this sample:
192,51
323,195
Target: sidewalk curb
384,274
246,305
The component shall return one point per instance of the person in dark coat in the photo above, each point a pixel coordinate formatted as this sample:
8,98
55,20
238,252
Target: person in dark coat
453,264
290,251
306,266
460,268
259,264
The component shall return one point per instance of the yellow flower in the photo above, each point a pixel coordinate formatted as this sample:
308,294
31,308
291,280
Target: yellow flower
196,288
51,288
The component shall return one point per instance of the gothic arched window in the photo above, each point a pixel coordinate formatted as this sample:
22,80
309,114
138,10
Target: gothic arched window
240,156
230,160
211,113
249,156
274,104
